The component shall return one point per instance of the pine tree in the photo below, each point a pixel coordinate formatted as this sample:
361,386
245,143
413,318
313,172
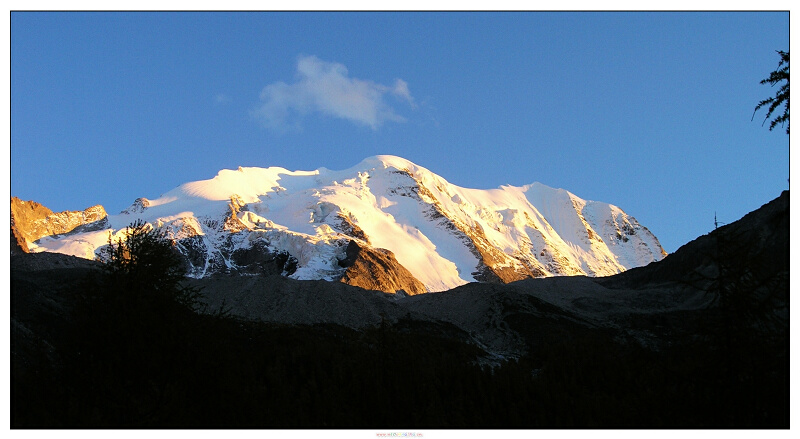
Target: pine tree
782,95
144,263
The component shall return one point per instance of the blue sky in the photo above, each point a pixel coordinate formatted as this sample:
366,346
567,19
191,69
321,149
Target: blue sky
647,111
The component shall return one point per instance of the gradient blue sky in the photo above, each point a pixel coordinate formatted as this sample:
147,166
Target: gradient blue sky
647,111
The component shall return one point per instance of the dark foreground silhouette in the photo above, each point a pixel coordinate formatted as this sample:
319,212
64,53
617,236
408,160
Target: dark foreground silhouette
84,356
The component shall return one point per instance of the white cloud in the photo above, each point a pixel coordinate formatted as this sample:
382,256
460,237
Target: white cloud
401,90
325,87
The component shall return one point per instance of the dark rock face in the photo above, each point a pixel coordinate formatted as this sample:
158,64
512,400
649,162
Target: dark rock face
259,259
377,269
348,227
195,253
18,244
351,254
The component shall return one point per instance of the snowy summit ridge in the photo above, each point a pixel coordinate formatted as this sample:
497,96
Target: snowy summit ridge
385,224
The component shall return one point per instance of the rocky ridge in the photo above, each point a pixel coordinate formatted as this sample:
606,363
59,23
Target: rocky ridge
31,221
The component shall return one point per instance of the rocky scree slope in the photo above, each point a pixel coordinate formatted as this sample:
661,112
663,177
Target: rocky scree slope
652,306
385,224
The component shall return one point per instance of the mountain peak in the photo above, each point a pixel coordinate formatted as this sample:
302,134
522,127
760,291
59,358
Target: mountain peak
403,219
386,161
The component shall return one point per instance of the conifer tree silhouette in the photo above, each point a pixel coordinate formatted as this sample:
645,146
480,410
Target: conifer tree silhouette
781,96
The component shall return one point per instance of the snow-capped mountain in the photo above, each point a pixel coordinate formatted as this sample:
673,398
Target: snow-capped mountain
385,224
